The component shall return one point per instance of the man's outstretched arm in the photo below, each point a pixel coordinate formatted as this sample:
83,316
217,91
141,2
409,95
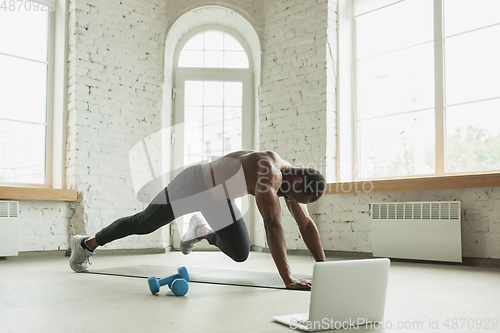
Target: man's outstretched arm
269,206
307,228
275,234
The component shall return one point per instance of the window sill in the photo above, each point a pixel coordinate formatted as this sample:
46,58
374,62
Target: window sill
416,184
37,193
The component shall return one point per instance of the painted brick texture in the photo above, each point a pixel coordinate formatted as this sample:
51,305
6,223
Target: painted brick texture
250,9
344,220
116,52
43,226
293,94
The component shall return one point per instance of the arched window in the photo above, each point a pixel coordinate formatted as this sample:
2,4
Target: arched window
212,70
213,49
213,98
213,94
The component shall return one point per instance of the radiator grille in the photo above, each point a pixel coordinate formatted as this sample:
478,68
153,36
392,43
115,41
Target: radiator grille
9,208
417,230
416,211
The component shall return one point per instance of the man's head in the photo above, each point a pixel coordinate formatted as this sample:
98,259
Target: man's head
304,185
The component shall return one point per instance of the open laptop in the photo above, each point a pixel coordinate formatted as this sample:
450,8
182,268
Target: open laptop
344,294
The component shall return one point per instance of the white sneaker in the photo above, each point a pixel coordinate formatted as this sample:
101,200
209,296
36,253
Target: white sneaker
80,257
189,239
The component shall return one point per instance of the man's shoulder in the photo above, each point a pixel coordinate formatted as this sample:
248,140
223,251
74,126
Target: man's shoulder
268,155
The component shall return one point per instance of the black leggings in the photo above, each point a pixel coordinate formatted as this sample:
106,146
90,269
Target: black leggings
187,193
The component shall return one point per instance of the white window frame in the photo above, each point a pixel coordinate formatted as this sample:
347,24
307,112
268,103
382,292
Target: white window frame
56,98
347,131
244,75
227,76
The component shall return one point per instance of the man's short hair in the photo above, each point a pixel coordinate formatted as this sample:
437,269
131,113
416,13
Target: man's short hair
314,182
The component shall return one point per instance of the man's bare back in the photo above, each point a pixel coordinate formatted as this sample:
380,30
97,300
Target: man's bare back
254,164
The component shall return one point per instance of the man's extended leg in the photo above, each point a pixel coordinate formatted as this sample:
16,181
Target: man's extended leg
153,217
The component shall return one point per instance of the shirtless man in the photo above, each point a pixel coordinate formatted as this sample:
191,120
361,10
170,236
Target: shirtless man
211,189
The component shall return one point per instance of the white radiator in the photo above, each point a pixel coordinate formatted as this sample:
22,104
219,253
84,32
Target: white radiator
417,230
9,228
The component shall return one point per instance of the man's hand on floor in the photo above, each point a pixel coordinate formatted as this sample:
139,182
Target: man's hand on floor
298,284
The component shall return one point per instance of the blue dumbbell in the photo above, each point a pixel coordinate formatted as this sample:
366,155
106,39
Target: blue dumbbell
178,283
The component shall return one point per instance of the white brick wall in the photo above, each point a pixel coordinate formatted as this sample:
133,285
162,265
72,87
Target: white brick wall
344,220
294,82
251,10
115,98
293,95
43,226
116,52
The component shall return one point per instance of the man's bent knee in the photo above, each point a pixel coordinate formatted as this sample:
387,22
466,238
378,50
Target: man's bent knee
241,252
241,256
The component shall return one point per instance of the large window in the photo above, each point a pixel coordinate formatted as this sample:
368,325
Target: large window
24,78
213,75
213,99
426,87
